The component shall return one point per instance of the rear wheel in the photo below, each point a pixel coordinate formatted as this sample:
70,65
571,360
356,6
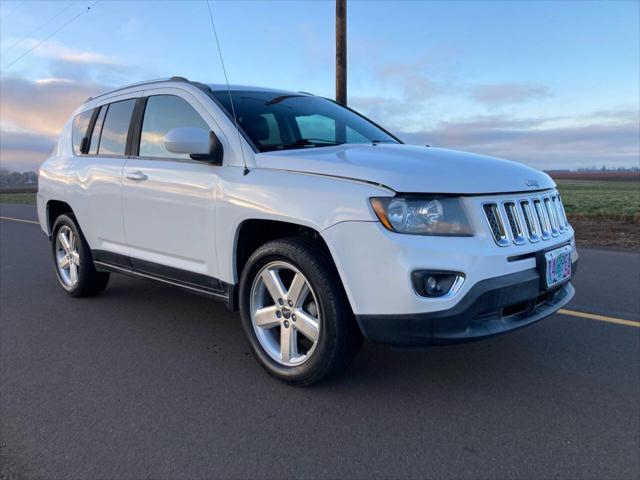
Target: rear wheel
73,262
295,314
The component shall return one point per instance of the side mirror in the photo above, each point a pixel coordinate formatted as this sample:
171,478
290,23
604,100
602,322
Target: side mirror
195,142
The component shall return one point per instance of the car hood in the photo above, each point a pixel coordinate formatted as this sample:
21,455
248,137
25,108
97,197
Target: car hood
411,169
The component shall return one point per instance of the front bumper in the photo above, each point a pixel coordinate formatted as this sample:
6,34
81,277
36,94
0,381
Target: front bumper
493,306
501,290
376,265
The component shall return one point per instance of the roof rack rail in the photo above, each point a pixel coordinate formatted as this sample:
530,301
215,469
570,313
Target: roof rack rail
137,84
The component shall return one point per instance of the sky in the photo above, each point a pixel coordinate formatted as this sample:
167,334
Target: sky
550,84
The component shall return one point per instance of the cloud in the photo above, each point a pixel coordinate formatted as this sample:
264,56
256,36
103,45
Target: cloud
391,110
56,51
17,141
62,62
416,104
42,106
410,78
508,93
24,150
130,26
407,91
540,142
419,87
32,114
101,74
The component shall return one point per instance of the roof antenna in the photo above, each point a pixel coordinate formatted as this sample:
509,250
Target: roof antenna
224,70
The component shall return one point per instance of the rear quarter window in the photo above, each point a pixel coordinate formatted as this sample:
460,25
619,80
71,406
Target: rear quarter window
79,131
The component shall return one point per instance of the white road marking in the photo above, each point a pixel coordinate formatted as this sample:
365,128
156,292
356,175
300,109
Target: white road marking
22,220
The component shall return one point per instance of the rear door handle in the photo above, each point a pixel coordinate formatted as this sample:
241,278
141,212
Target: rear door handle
136,176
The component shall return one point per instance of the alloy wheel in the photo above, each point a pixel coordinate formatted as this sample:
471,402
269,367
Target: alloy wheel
67,256
284,313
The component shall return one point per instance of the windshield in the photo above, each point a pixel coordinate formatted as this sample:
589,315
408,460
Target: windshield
276,121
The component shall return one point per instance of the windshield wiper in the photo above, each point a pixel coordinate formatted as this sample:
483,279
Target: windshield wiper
303,142
375,142
312,141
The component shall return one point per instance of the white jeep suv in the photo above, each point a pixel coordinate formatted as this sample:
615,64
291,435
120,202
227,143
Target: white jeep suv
317,224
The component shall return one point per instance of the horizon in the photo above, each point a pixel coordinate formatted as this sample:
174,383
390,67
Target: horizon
555,85
592,169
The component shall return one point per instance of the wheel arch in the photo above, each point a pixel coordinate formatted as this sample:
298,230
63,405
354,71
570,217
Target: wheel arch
253,233
55,208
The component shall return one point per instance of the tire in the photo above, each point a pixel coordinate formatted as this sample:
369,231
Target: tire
338,338
79,277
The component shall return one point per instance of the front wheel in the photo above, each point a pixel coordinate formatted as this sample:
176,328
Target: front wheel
295,314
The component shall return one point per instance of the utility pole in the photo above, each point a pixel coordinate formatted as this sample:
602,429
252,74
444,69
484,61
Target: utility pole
341,52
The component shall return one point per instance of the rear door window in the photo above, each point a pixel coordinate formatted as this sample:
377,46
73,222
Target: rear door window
113,139
79,131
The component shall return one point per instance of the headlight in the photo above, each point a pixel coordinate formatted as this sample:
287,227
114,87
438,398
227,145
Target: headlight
423,215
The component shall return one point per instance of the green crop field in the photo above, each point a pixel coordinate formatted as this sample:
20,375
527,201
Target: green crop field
12,197
601,198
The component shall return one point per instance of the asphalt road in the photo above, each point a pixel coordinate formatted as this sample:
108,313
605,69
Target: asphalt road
150,382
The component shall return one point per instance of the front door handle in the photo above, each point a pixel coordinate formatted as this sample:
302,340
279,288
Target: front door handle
136,176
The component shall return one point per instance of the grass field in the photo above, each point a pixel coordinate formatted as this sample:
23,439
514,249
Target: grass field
28,198
601,198
604,213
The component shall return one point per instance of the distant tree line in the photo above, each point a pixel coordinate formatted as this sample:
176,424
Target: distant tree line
8,178
595,169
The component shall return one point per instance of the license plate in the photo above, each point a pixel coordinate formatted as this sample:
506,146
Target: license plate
557,265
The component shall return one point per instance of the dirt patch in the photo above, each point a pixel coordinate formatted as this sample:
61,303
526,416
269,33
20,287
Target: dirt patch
603,232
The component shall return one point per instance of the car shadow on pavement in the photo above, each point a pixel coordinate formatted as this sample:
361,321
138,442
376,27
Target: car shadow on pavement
487,364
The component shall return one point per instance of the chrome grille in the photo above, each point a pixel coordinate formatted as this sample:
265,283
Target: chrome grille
553,220
539,217
543,220
529,217
557,206
496,224
517,233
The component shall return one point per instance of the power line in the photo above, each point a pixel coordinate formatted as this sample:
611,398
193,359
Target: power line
48,37
37,29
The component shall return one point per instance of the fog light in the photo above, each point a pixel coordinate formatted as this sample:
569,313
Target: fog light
432,285
436,284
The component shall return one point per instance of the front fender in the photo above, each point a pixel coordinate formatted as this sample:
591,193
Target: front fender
313,201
